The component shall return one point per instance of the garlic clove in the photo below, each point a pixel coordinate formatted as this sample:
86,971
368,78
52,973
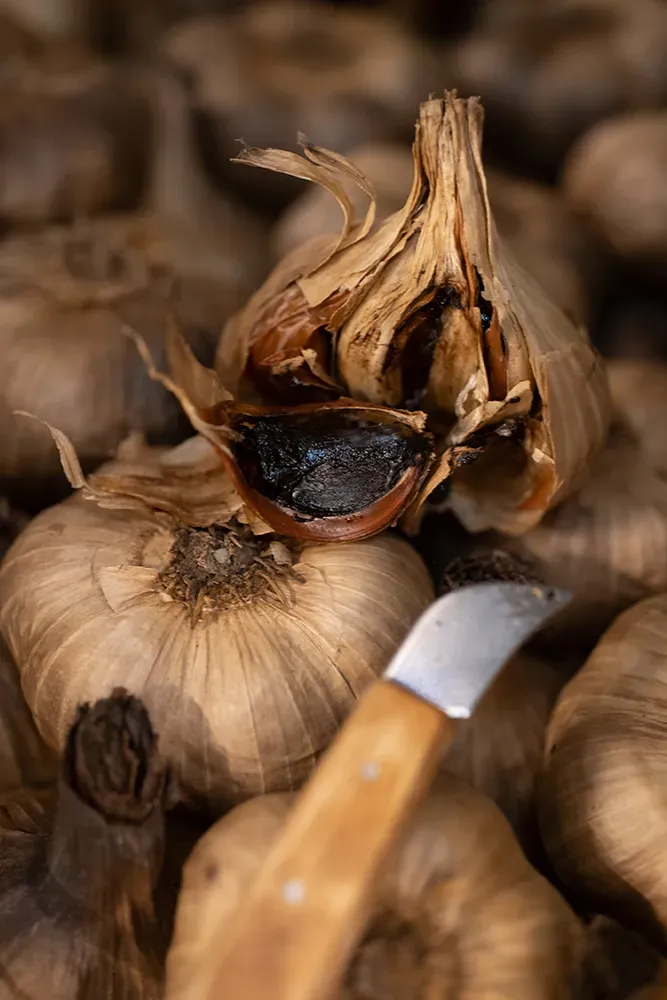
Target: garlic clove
299,468
436,281
457,912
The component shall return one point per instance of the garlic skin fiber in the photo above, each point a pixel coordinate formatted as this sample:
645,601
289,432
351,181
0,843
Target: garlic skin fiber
602,805
458,914
248,652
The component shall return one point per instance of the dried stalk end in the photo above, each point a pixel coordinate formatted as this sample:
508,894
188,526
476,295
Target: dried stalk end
112,760
490,566
220,568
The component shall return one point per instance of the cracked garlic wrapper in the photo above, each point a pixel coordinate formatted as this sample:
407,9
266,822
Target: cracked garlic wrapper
429,312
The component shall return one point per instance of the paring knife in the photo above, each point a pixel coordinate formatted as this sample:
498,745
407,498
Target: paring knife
304,914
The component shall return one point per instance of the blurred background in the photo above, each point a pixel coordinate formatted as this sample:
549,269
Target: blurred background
575,93
119,119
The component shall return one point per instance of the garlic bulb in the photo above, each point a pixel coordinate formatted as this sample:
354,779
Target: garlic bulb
274,68
74,138
602,810
66,294
247,649
430,312
79,865
548,71
614,178
459,913
608,543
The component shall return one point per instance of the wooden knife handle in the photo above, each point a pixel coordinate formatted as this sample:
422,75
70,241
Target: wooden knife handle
303,916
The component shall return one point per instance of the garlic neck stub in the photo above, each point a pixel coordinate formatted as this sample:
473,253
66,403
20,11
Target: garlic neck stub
80,863
248,649
457,914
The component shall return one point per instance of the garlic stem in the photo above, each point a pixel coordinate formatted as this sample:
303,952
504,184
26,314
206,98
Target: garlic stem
108,837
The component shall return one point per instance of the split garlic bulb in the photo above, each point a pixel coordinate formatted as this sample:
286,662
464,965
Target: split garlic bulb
603,811
459,913
248,650
430,312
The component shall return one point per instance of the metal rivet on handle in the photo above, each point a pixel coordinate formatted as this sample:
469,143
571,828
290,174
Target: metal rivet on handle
294,891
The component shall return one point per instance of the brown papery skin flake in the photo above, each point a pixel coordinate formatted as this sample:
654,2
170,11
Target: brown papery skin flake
217,569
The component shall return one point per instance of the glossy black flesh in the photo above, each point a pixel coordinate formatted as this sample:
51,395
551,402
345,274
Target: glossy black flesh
417,354
325,465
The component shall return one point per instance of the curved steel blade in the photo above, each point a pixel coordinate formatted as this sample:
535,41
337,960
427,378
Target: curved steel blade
465,638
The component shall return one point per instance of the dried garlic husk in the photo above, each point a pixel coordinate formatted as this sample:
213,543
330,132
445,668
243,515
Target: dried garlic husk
79,865
66,294
430,312
614,178
459,912
608,543
547,239
548,71
343,76
389,168
74,138
248,649
533,220
602,807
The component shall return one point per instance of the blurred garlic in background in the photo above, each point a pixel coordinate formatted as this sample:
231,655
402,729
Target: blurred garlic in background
274,69
602,807
67,293
459,912
547,71
615,178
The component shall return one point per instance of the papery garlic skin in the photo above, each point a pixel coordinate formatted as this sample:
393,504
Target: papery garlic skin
602,803
245,695
458,914
24,757
608,543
